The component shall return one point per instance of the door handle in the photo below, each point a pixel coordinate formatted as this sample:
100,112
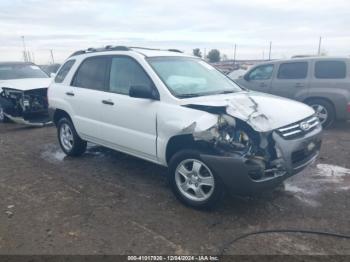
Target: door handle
263,85
69,93
299,85
108,102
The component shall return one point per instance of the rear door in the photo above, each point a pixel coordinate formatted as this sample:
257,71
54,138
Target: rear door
86,94
259,78
128,123
291,78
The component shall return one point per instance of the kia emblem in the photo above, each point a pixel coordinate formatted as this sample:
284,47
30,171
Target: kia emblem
305,126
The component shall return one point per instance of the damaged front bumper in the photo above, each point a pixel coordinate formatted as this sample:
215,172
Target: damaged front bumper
293,156
32,122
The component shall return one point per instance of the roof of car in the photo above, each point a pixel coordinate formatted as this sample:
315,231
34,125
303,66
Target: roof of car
306,58
15,63
148,52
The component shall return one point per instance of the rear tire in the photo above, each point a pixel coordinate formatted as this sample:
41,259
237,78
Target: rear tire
70,142
193,182
324,110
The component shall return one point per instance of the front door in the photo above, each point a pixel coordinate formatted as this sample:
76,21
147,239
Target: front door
129,124
258,79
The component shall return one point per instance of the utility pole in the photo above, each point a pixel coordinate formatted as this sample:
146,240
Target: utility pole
52,59
270,50
25,55
234,54
319,46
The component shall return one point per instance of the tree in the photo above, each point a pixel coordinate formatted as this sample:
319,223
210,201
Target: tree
214,56
197,52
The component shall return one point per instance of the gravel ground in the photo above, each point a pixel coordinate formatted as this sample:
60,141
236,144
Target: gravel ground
106,202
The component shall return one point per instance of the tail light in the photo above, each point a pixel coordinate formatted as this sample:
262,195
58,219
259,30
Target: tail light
349,108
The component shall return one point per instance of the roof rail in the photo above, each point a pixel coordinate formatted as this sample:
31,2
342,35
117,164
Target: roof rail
118,48
156,49
175,50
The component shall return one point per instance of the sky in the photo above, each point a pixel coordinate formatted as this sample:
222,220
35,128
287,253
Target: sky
64,26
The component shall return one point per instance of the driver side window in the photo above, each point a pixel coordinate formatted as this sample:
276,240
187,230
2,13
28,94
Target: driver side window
261,73
126,72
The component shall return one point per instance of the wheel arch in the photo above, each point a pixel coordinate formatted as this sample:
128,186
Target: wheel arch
58,114
177,143
308,99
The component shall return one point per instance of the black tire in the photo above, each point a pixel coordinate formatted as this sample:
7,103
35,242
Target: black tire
218,189
78,146
327,106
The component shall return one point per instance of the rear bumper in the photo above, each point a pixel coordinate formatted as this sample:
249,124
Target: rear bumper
295,155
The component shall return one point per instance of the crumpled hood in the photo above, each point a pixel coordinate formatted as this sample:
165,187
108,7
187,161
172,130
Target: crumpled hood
26,84
263,112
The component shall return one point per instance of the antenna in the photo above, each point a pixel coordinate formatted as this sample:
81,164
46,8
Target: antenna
52,58
319,46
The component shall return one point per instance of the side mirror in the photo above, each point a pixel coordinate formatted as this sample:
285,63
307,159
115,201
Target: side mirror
246,77
52,75
146,92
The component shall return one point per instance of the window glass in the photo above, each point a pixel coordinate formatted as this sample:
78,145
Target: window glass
297,70
190,77
92,73
20,71
330,69
126,72
261,73
61,75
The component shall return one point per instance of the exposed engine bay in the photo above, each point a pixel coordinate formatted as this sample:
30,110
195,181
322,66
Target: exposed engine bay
25,107
234,138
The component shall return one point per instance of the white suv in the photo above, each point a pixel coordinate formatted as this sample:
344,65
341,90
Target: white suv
178,111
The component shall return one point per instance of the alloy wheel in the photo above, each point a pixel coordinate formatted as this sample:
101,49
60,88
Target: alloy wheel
321,112
66,137
2,114
194,180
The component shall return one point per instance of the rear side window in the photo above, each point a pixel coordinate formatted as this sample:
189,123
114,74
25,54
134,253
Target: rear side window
330,69
126,72
297,70
92,73
61,75
261,73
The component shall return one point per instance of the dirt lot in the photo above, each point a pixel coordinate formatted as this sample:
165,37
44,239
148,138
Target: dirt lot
110,203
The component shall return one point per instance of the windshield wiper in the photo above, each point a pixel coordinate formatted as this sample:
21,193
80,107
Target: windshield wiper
189,95
225,92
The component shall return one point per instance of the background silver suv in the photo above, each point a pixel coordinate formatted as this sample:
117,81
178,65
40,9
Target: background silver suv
323,83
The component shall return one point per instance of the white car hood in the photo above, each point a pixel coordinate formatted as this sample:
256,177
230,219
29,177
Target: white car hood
261,111
26,84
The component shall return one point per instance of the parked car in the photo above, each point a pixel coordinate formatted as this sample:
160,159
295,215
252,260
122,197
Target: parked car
23,94
321,82
178,111
236,74
50,69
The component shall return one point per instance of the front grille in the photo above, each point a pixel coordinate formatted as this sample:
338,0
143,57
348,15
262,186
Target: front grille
299,129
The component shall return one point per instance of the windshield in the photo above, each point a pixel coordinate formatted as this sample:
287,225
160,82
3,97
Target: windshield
20,71
190,77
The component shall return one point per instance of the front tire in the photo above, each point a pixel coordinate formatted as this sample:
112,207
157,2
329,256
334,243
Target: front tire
70,142
193,182
324,111
3,118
